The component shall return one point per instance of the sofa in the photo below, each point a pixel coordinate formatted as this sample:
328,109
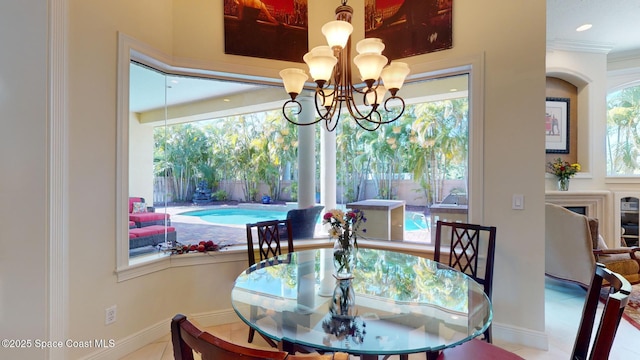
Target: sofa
146,227
151,235
142,215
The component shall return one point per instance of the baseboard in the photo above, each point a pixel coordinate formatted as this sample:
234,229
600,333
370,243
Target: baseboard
154,332
214,318
522,336
133,342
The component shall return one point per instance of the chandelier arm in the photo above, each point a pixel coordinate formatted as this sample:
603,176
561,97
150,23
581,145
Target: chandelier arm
360,115
299,110
332,125
323,113
367,89
370,120
386,108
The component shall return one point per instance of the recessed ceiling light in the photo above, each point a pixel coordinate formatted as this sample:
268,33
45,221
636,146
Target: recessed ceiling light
452,90
226,100
584,27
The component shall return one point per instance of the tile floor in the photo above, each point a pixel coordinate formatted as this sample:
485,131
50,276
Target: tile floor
563,308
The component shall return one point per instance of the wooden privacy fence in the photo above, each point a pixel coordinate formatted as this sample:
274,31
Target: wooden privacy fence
405,190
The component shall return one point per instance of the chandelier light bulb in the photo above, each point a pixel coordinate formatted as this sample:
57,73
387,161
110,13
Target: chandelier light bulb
293,80
376,97
370,45
321,62
393,76
337,33
370,66
328,101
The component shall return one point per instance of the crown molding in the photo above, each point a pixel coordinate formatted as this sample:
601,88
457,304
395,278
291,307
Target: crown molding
580,46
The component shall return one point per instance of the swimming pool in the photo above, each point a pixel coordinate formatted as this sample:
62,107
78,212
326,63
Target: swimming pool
241,216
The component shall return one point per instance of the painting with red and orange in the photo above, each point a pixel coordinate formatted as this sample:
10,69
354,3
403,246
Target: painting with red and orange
410,27
259,28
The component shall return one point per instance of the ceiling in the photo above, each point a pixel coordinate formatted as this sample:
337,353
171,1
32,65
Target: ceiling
615,31
148,89
616,25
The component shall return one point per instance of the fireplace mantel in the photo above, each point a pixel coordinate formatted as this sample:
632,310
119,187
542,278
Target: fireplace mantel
597,204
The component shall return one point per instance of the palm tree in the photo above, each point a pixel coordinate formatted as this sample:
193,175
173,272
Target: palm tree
623,118
438,144
180,149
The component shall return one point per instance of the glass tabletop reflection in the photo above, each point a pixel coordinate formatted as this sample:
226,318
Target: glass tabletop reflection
395,303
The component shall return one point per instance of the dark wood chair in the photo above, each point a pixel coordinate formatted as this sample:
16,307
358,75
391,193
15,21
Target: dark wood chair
186,338
464,252
599,346
269,239
268,245
587,344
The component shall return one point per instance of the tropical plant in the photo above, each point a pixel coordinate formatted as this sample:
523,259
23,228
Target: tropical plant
179,151
353,161
438,144
429,141
623,138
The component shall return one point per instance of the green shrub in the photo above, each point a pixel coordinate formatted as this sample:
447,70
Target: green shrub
220,195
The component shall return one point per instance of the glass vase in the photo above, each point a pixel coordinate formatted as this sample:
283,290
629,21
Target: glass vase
563,184
344,257
343,299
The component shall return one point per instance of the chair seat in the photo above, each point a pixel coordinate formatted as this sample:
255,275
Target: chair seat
477,350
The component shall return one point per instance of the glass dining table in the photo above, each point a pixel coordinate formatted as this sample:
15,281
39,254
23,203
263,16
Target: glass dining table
395,303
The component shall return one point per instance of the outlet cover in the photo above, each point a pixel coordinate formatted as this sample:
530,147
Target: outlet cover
110,315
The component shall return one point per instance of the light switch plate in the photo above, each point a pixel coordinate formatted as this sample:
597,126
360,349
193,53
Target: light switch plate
517,203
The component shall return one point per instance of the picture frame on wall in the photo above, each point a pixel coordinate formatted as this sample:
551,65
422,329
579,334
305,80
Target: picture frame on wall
268,29
557,126
410,27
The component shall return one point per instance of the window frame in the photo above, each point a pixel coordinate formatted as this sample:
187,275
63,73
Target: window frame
131,49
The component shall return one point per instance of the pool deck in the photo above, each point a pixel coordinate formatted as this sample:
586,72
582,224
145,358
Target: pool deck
192,229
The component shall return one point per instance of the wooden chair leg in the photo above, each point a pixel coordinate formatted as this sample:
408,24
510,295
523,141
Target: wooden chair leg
432,355
252,332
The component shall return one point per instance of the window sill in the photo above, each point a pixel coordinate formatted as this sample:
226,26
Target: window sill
622,179
152,263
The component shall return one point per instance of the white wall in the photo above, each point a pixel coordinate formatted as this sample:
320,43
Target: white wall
508,36
23,188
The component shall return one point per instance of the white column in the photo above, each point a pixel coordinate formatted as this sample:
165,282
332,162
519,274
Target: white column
328,168
306,154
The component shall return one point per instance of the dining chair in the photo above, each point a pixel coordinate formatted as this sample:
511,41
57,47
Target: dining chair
268,245
594,338
186,338
598,346
269,239
464,252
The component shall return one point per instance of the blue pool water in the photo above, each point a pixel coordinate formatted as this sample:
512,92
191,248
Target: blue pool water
241,216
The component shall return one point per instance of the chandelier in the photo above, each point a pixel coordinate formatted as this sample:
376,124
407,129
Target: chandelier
330,68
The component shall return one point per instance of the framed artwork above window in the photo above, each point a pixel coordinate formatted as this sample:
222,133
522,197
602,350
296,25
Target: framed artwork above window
557,126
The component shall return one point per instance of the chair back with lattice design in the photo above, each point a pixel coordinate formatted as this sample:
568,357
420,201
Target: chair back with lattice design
468,245
598,346
270,235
